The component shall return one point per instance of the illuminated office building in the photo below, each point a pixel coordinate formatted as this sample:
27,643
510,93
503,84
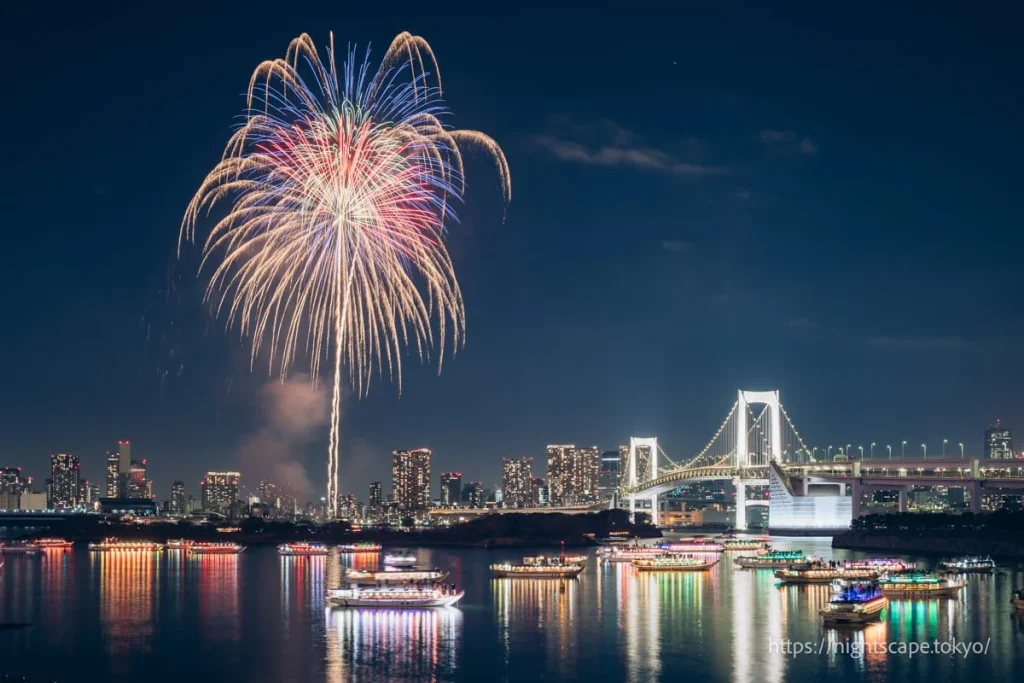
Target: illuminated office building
517,482
64,477
113,464
999,442
608,477
573,475
220,491
473,494
410,479
178,501
451,488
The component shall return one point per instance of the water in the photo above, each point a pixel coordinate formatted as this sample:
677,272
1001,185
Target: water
259,617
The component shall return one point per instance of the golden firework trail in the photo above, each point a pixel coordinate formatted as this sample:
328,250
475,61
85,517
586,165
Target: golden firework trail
338,185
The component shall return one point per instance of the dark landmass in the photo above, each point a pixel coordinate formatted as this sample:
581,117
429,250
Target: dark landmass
994,533
490,531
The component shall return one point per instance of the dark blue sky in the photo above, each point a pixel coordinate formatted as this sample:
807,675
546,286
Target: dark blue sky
703,200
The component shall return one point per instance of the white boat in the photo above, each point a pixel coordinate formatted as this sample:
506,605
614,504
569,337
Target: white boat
54,543
854,602
393,597
396,576
216,548
116,545
302,548
630,553
400,560
963,565
538,568
178,544
361,547
920,586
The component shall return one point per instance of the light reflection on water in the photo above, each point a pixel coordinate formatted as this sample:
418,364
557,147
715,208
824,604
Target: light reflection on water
152,615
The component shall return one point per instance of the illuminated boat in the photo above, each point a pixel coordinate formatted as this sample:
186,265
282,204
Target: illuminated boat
883,565
820,572
361,547
178,544
410,576
744,544
854,602
964,565
301,548
117,545
574,559
774,559
922,586
23,547
1017,599
54,543
393,597
538,568
633,552
616,538
674,563
695,546
219,548
400,559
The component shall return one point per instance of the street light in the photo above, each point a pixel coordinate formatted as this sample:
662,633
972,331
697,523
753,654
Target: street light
847,451
828,453
861,452
872,450
924,450
944,447
890,450
961,451
903,450
814,453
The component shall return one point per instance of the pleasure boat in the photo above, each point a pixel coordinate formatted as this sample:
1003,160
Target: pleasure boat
744,543
774,559
633,552
117,545
919,586
361,547
400,559
674,563
301,548
220,548
538,568
394,596
54,543
822,572
883,565
964,565
396,576
854,602
694,546
21,547
178,544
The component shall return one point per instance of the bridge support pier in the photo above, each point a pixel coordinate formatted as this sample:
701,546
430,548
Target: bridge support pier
632,508
901,494
855,493
654,509
741,505
975,497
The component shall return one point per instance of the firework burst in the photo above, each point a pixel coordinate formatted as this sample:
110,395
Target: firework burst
338,186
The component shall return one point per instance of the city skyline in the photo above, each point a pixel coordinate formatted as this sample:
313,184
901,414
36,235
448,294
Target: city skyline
737,232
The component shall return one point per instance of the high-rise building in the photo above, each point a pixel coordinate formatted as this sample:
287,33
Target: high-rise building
410,479
12,485
539,492
64,480
85,493
137,487
94,494
375,493
178,501
267,493
220,491
473,494
451,488
517,482
113,467
999,442
124,456
573,475
608,477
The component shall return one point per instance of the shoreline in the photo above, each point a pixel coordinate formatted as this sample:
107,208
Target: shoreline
930,545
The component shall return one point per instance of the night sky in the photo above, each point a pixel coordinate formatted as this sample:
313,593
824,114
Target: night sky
703,200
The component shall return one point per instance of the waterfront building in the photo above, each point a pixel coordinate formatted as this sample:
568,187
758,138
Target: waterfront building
451,488
410,480
31,500
64,476
113,464
12,485
473,494
539,492
137,487
608,477
178,501
517,482
375,509
999,442
219,491
573,474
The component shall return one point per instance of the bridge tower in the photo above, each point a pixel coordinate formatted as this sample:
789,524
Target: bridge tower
648,472
769,399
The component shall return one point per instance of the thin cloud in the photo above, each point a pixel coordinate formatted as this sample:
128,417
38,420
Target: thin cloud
788,139
678,246
606,144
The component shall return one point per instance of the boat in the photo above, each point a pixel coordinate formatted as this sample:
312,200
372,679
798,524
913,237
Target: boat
575,559
633,552
822,572
394,596
854,602
695,546
884,565
615,538
220,548
963,565
117,545
55,543
178,544
22,547
560,559
361,547
674,562
538,568
1017,599
301,548
744,544
400,560
410,576
773,559
919,586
